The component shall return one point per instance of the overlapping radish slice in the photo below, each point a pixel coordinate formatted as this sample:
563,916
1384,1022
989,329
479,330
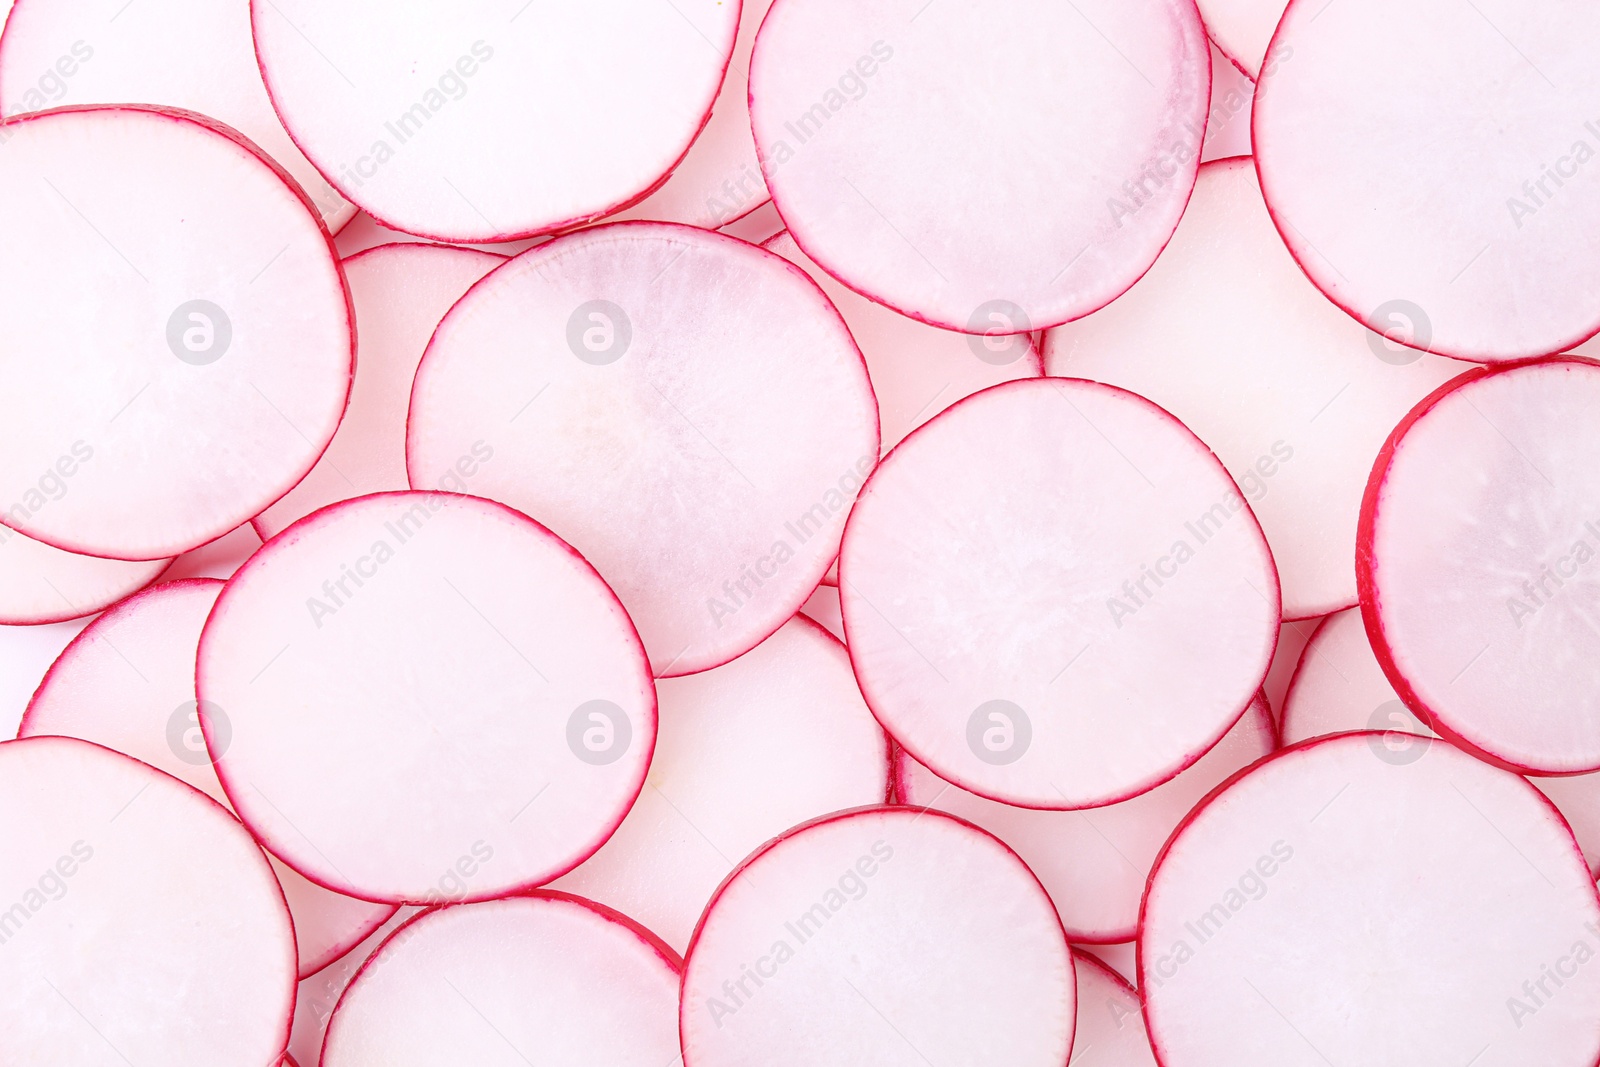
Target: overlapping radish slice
1305,900
490,120
1242,29
1294,397
1449,231
26,653
855,108
399,292
211,367
127,682
317,995
41,584
430,697
144,925
823,609
1110,1025
1292,638
1094,862
1055,596
1227,126
881,936
685,409
1121,957
221,558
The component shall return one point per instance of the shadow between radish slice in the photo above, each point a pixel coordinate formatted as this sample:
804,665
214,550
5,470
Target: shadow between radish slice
1110,1023
40,584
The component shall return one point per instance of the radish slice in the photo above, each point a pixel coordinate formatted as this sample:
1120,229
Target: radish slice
1121,958
686,410
1203,335
1227,127
1094,863
1242,29
547,978
212,367
1110,1024
216,559
880,936
366,232
26,653
1302,902
1038,651
318,995
823,609
1292,638
876,123
366,757
399,292
1464,223
762,224
146,925
191,54
548,115
40,584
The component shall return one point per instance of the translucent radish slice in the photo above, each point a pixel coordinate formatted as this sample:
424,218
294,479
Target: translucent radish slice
367,757
881,936
26,653
1055,596
1121,958
144,918
1227,127
1292,638
191,54
1294,397
399,292
1242,29
211,368
855,106
1094,862
1450,231
40,584
545,978
1110,1025
762,224
366,232
823,609
685,409
318,995
1302,902
221,558
490,120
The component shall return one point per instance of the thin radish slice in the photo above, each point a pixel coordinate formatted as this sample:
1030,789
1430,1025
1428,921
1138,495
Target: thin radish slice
1306,899
1094,863
875,124
1292,638
318,995
366,232
1225,333
1242,29
26,653
746,750
212,367
1227,126
1110,1024
1033,648
399,292
880,936
190,54
41,584
490,120
762,224
686,410
145,920
1450,231
221,558
366,755
1121,958
823,609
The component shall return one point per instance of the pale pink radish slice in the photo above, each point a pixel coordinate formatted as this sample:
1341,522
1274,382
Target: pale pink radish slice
882,936
746,750
1292,638
491,120
1121,958
144,925
762,224
1055,596
1227,126
365,755
366,232
1110,1023
318,995
856,107
211,368
41,584
221,558
1304,901
1242,29
26,653
1226,333
1463,223
1094,862
190,54
686,410
400,292
823,608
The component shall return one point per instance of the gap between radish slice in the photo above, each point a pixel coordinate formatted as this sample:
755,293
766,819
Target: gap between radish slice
1110,1024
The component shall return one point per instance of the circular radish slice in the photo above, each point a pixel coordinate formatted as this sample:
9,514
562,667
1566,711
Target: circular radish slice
879,936
746,750
1447,231
40,584
686,410
1203,335
1110,1023
545,978
1243,30
1034,649
429,697
875,123
213,366
1094,862
490,120
144,919
399,292
1303,901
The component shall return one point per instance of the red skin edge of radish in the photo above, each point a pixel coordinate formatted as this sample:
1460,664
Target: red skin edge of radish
1081,958
1280,716
1229,56
69,616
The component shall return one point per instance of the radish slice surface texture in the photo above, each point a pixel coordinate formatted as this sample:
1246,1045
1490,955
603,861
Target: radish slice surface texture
317,995
40,584
1110,1024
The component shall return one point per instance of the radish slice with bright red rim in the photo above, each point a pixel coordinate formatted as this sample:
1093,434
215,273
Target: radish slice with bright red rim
365,757
879,936
686,410
1039,651
823,609
145,919
1110,1023
1242,29
1303,901
399,292
212,368
490,120
317,995
855,107
1449,232
40,584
